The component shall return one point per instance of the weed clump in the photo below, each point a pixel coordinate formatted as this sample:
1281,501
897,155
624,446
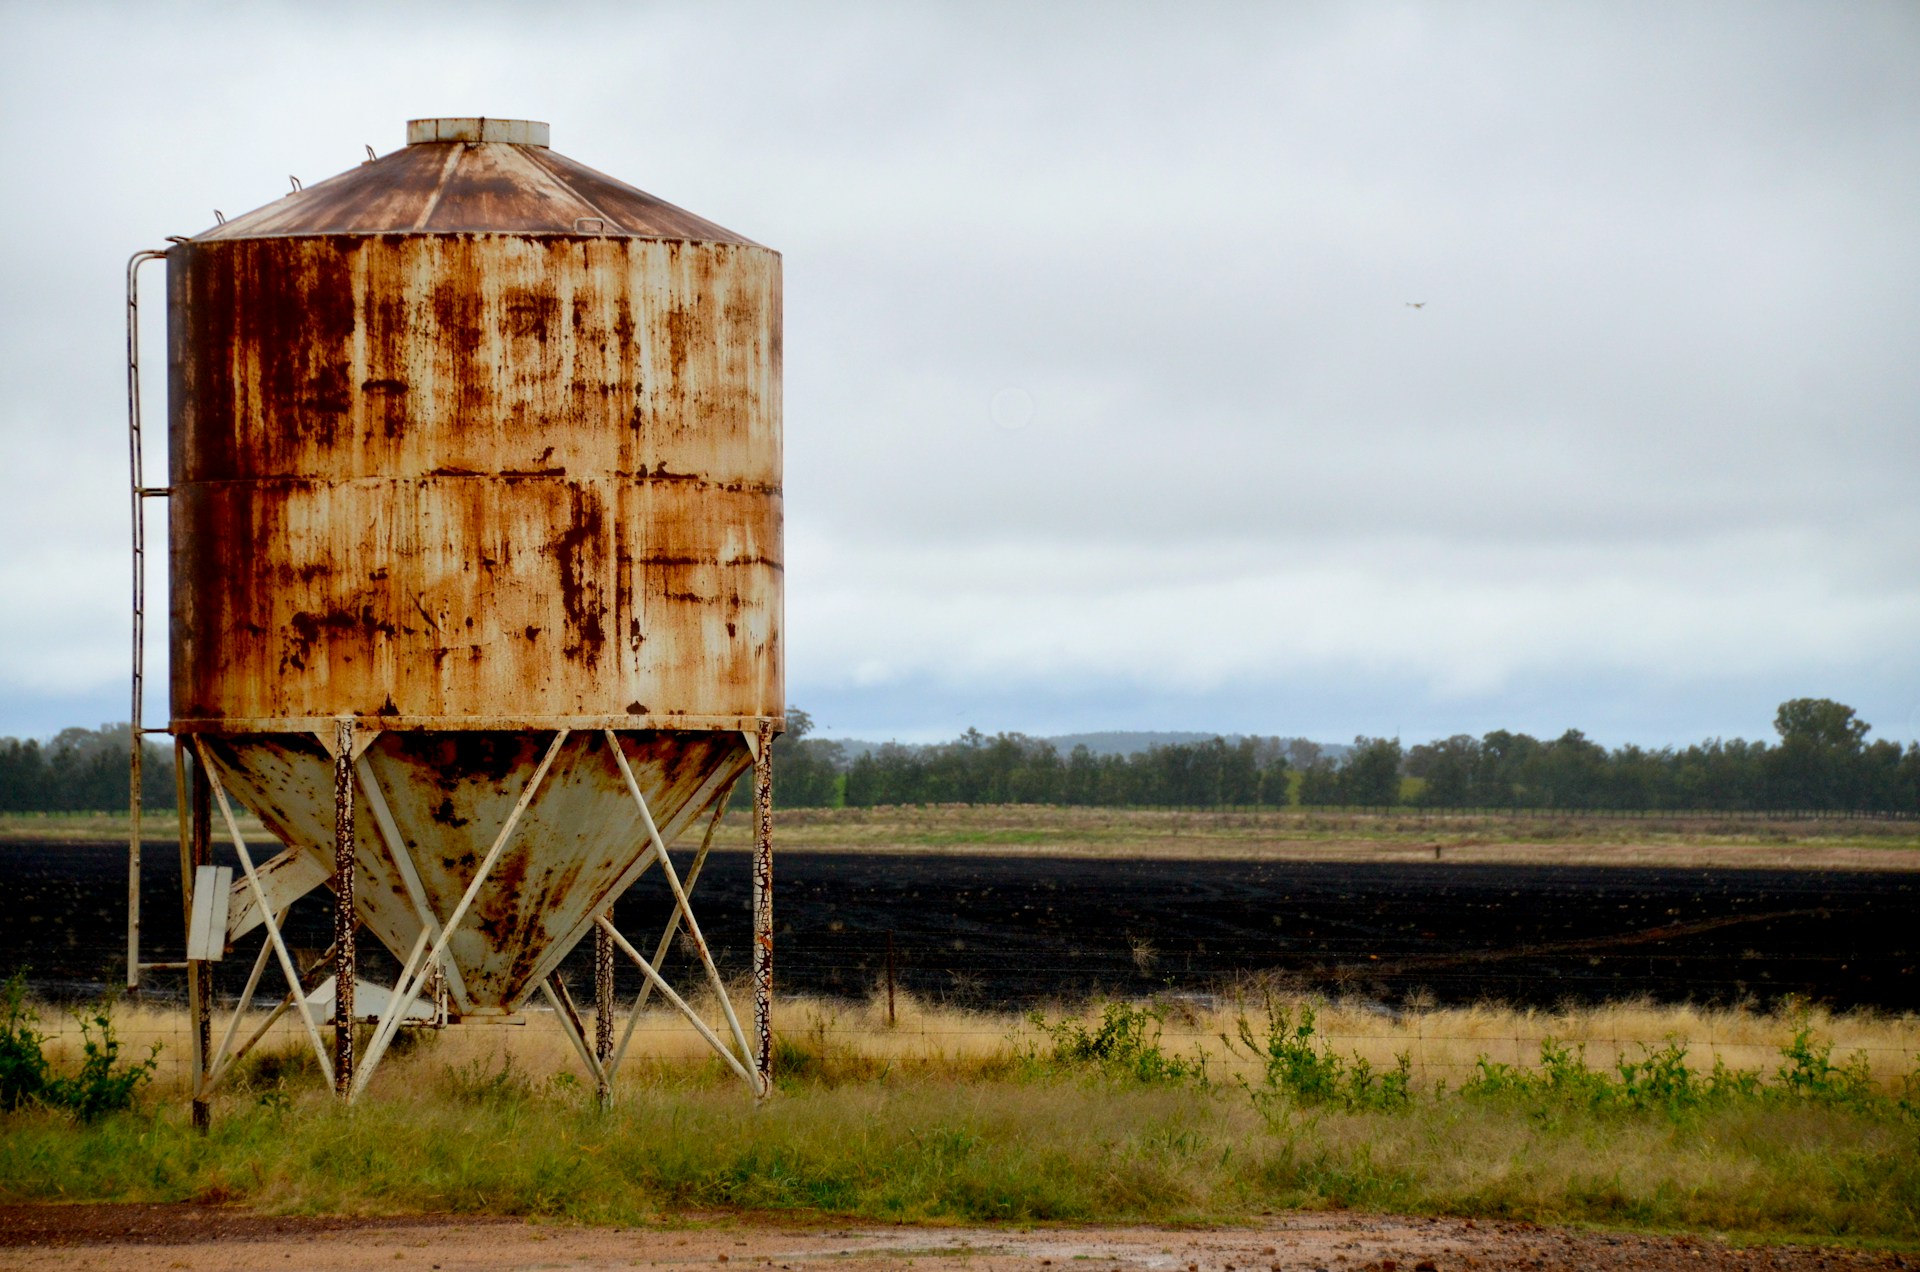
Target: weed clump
479,1083
1808,1072
104,1084
1124,1044
1298,1069
23,1066
1661,1081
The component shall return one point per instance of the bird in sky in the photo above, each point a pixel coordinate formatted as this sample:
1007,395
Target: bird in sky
1416,304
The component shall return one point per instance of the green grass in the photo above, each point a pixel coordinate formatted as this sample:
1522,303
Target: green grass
1089,1118
1688,838
1056,1148
157,825
1410,833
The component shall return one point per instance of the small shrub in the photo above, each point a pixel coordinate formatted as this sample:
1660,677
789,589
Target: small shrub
478,1083
1808,1072
23,1066
1660,1079
1727,1085
1390,1089
1126,1044
1563,1078
1906,1098
104,1083
1305,1071
794,1059
275,1068
816,1056
1565,1075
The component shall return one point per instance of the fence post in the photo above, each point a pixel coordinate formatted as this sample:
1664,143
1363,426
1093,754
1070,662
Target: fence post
889,980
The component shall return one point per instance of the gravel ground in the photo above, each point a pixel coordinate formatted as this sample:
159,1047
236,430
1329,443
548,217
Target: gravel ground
217,1239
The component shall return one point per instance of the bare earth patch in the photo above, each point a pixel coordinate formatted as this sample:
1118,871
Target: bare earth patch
1572,838
218,1239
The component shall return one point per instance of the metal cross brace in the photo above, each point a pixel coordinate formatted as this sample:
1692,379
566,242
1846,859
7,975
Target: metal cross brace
267,917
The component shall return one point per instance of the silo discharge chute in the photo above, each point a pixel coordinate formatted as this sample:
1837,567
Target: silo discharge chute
476,560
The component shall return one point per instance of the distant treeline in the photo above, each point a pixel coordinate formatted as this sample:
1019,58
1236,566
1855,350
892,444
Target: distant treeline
81,770
1822,762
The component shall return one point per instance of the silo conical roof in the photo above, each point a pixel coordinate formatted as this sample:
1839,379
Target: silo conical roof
457,178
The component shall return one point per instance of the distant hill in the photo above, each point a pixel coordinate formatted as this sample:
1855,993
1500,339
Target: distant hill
1125,742
1130,742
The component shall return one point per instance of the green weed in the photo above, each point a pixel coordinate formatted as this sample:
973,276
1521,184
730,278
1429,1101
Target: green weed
23,1066
1661,1081
1124,1044
104,1082
1299,1067
1808,1072
479,1083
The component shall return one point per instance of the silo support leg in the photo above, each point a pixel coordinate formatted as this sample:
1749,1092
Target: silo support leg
197,851
224,1058
399,1003
603,1008
217,1063
763,907
345,919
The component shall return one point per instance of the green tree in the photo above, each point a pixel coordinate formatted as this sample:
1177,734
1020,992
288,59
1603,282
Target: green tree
1818,763
1820,722
82,770
1448,768
1503,760
1320,784
1371,775
1568,772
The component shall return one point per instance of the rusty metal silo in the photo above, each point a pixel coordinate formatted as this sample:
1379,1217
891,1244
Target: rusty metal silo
476,557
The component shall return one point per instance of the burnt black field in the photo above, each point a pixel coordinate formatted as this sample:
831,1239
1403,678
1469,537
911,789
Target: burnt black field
1007,932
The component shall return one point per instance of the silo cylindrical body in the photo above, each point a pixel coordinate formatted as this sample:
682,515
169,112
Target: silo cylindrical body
473,444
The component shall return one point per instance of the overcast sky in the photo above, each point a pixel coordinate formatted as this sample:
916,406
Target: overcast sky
1106,404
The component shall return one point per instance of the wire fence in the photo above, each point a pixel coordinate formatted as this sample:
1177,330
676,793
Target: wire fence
1440,1045
1444,963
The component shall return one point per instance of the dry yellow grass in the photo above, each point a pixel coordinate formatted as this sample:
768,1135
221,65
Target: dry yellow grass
854,1040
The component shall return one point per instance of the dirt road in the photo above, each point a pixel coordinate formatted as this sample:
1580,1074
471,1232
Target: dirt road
216,1239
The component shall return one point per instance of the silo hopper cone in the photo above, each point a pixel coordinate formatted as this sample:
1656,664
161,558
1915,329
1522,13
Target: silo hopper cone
446,795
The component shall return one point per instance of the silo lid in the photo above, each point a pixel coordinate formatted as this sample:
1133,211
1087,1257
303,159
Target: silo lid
514,132
473,175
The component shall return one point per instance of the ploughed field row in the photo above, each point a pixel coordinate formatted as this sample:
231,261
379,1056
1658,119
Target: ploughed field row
989,928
